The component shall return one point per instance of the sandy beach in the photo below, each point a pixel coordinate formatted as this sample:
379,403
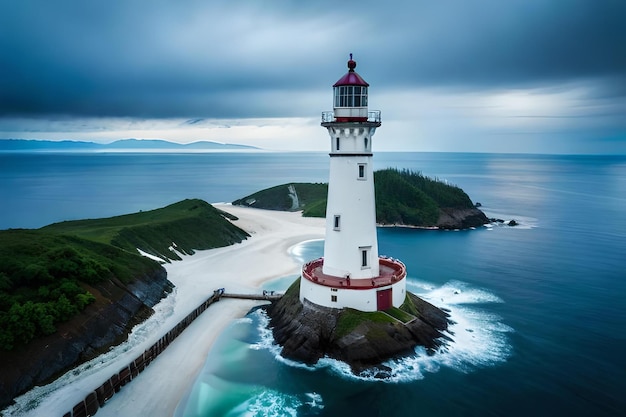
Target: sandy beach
241,267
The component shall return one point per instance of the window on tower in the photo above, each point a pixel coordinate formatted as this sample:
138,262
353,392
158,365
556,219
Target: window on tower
364,258
362,171
337,143
337,222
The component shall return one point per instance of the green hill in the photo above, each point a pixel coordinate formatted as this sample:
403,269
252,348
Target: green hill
71,290
409,198
50,275
183,226
403,197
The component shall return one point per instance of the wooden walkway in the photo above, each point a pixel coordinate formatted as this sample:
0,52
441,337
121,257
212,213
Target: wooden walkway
98,398
267,296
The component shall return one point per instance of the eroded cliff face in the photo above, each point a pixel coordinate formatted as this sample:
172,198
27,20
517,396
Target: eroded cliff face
106,322
308,332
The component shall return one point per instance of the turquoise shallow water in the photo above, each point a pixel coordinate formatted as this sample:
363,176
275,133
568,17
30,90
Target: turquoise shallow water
539,307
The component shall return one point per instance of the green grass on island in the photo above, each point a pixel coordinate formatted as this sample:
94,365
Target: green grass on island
350,319
46,274
402,197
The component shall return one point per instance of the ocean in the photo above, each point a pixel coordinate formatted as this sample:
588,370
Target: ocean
538,309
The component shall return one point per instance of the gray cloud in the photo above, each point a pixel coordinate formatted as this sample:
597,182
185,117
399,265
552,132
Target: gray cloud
491,42
246,59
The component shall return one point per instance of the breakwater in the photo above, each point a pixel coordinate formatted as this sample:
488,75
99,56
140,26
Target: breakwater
98,398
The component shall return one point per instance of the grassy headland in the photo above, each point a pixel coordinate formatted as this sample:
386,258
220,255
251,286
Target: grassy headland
49,275
185,226
403,197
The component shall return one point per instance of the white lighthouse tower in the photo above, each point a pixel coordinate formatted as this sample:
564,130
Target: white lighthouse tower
351,273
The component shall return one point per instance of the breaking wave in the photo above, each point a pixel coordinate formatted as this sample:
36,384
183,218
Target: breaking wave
479,338
271,403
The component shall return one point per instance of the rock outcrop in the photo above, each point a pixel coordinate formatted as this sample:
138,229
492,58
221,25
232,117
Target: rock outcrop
461,218
106,322
308,332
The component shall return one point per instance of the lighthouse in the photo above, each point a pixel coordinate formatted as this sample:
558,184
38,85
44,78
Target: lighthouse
351,273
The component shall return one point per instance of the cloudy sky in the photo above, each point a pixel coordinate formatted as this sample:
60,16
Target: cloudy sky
540,76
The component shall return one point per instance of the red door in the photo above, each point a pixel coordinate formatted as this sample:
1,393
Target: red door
383,299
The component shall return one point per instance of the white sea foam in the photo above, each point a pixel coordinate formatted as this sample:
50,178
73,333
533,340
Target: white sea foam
479,338
453,293
314,400
271,403
266,341
523,222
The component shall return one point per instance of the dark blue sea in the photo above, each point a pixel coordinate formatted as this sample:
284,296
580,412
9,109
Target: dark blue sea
539,308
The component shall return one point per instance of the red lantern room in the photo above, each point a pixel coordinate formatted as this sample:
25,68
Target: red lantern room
350,94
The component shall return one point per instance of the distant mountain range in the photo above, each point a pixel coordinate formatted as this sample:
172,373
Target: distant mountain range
124,144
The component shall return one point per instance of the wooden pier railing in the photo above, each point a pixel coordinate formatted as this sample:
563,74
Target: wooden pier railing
98,398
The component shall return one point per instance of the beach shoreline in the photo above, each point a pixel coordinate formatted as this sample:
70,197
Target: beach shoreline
242,267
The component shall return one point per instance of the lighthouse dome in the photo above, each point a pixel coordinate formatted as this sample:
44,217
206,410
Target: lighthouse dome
350,96
351,77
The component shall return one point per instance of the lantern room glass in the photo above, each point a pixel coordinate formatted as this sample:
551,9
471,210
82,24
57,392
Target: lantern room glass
350,96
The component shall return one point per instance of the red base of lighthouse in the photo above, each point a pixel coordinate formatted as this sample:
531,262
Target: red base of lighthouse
391,271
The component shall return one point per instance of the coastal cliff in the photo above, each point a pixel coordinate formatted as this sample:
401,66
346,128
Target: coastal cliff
117,308
71,290
307,332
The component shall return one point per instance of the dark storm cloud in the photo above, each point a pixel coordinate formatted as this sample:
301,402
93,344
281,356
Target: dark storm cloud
491,42
247,59
154,60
